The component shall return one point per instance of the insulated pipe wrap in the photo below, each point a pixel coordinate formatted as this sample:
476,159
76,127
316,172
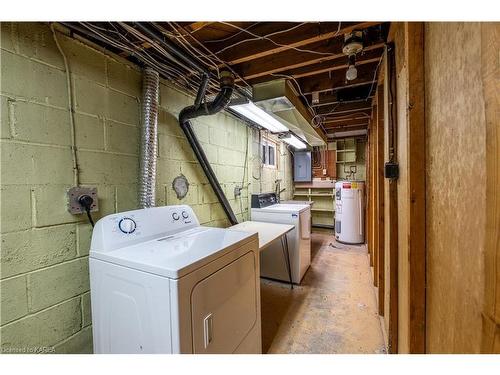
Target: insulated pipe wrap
149,131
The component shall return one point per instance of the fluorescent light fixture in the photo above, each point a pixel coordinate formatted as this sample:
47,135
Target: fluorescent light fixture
260,117
294,141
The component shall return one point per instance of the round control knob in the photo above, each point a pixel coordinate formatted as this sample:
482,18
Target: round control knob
175,216
127,225
185,214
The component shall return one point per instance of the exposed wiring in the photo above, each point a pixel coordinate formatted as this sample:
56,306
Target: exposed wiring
76,171
260,37
374,77
233,35
322,116
221,62
169,71
182,40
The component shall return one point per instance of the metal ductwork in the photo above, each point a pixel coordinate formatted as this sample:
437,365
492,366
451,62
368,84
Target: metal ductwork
280,98
205,109
149,131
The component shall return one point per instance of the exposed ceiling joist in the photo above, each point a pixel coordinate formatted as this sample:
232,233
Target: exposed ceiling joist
362,121
333,101
344,119
344,108
330,67
196,26
344,86
345,128
292,59
312,33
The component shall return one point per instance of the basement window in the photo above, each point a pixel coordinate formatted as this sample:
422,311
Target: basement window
269,154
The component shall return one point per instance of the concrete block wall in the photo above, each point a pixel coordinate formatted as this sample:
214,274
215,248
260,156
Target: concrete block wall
263,178
44,280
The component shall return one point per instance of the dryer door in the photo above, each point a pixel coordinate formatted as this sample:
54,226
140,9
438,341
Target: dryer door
224,307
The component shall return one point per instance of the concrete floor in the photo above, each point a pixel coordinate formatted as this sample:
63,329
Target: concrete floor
334,309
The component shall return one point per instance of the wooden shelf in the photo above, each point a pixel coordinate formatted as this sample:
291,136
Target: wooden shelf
322,209
313,195
326,195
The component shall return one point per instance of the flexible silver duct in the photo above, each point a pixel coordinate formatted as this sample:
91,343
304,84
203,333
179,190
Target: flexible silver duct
149,131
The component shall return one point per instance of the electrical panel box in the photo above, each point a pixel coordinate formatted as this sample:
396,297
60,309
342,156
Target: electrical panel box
302,168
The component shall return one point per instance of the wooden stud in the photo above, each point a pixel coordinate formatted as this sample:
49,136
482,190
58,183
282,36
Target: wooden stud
392,329
490,43
379,182
414,51
375,213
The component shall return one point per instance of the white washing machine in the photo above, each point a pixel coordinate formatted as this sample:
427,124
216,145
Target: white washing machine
161,283
349,218
265,207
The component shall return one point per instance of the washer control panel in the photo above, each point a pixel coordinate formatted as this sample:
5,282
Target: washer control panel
127,225
117,230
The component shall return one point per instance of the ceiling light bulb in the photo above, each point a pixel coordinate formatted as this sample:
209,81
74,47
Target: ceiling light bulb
352,73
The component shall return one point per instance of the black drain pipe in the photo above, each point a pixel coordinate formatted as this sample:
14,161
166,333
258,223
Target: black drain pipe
219,103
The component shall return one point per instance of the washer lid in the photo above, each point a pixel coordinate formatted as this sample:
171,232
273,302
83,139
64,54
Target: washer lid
176,255
284,207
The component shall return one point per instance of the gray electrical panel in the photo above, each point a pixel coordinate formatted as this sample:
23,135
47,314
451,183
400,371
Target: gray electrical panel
302,169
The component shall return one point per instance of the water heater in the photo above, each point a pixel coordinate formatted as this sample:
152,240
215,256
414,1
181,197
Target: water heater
349,209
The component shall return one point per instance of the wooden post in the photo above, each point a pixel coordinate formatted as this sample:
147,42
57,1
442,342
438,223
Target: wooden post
379,186
392,206
374,194
414,51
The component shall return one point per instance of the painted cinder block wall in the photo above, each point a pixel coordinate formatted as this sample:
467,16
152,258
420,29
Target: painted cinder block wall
45,299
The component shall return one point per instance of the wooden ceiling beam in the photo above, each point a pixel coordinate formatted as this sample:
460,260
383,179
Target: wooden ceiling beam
345,123
343,119
332,100
193,27
294,39
366,111
346,128
344,108
258,70
235,35
338,64
337,81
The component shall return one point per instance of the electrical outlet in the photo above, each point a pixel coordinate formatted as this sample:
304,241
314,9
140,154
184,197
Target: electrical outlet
74,207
